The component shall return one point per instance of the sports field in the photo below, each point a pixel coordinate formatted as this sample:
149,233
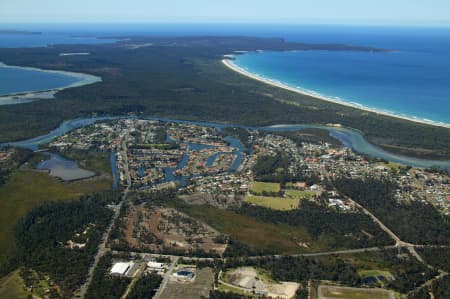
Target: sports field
260,187
336,292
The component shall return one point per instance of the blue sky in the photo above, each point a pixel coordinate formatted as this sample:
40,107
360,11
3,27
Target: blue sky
370,12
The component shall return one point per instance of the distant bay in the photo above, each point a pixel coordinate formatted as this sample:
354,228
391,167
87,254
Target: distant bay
411,81
23,84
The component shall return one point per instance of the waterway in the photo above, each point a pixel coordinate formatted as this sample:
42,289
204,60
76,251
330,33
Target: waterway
349,137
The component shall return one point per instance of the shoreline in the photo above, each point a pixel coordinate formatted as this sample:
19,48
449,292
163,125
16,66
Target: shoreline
234,67
28,96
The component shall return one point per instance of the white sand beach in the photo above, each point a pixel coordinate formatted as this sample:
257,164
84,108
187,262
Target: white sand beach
231,65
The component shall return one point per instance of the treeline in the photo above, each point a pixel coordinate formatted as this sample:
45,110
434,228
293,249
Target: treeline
275,169
145,287
414,222
437,257
309,135
42,236
337,230
302,269
236,248
18,157
216,294
106,286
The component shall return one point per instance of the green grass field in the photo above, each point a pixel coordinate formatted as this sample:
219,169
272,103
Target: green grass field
12,287
353,293
260,187
27,189
277,238
275,203
298,194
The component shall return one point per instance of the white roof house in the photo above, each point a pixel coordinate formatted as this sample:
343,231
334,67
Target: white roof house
155,266
121,268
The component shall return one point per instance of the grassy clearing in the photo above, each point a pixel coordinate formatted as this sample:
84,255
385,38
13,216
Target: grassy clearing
375,273
298,194
227,288
260,187
275,203
27,189
277,238
198,289
354,293
12,287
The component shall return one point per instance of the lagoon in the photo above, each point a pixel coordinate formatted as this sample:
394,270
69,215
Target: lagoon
64,169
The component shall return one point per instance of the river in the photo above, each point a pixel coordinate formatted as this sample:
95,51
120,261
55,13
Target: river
349,137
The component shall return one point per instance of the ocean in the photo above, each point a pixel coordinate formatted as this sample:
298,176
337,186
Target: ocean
413,79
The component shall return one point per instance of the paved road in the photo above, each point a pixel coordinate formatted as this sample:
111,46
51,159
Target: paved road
166,278
136,277
102,247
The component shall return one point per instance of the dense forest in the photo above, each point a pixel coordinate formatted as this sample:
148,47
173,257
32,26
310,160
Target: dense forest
338,230
414,222
437,257
274,168
184,78
104,285
145,287
43,238
440,290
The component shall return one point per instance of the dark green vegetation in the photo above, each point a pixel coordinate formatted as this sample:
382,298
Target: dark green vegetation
406,270
437,257
227,295
310,135
337,230
414,222
184,78
145,287
104,285
26,189
275,169
440,290
43,234
18,157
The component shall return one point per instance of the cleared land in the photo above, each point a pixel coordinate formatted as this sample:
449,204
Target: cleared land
260,187
335,292
249,279
163,229
12,286
27,189
275,203
190,290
